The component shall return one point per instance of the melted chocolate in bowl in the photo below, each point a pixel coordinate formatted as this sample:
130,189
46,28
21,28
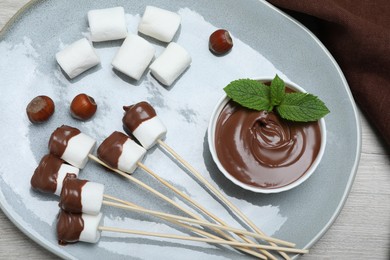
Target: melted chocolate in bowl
262,150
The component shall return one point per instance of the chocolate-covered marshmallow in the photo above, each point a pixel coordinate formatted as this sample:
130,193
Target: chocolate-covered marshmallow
121,152
71,145
142,121
74,227
48,177
81,196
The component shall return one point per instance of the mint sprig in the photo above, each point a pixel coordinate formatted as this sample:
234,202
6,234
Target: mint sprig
296,106
277,90
302,107
249,93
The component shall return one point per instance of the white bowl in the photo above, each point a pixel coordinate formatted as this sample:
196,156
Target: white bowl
211,140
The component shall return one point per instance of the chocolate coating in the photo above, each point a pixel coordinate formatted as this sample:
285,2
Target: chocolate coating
136,114
70,199
111,148
69,227
45,175
60,137
261,149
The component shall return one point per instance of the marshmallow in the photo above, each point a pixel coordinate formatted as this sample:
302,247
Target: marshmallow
71,145
170,64
134,56
81,196
159,23
77,58
107,24
141,120
120,152
50,174
74,227
91,233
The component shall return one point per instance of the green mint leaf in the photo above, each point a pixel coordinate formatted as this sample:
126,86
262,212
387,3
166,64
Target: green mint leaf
277,91
301,107
297,106
250,93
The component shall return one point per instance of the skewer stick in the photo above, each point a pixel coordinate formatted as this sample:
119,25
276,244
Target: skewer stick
201,239
192,228
200,222
143,185
189,199
150,189
216,192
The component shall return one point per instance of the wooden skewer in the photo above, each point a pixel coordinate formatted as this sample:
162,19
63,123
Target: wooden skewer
192,228
216,192
143,185
189,199
200,222
170,201
201,239
158,194
174,203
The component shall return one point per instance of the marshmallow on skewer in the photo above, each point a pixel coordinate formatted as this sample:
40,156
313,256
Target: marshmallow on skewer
120,152
49,176
81,196
107,24
134,56
159,23
77,58
71,145
170,64
142,121
74,227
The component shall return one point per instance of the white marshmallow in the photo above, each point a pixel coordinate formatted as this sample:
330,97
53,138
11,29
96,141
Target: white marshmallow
170,64
149,131
91,232
132,153
107,24
159,23
62,172
92,197
77,58
77,151
134,56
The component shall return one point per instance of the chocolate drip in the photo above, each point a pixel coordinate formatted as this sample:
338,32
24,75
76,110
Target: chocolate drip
111,148
70,199
45,175
60,137
136,114
69,227
261,149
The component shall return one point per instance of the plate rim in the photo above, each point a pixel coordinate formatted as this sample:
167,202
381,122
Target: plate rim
357,121
37,238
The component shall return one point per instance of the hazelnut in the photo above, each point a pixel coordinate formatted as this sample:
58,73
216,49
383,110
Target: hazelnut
40,109
83,107
220,42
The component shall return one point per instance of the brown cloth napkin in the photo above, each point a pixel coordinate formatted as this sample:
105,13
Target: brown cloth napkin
357,33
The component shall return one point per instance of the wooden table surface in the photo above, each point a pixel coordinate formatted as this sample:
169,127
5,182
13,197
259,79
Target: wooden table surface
362,230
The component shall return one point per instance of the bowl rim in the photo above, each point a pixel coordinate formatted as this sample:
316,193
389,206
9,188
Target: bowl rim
211,137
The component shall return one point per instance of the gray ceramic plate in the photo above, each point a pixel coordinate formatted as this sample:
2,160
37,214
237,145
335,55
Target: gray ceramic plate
266,42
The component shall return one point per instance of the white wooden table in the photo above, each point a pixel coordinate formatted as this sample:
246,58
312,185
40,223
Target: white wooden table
362,231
